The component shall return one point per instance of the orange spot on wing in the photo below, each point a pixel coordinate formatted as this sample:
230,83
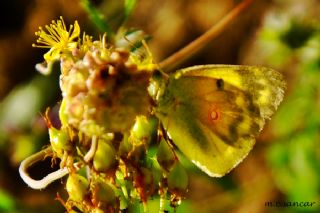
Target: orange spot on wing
214,114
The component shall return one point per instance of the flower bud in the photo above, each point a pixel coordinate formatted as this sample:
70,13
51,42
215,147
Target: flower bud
165,156
125,147
137,154
144,182
77,187
178,180
103,194
144,128
59,140
62,115
147,177
105,157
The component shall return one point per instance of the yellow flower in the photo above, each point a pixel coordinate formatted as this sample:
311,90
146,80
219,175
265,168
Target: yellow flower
58,39
86,43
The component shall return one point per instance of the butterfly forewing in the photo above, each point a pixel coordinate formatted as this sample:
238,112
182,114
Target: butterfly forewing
265,85
213,113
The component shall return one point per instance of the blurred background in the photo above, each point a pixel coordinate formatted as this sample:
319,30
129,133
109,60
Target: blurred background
284,166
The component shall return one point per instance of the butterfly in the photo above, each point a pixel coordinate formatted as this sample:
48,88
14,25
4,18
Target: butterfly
213,113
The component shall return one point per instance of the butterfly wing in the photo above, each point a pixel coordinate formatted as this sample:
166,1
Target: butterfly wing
213,113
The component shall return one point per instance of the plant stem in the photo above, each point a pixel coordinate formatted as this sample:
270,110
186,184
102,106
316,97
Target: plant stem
183,54
145,207
163,193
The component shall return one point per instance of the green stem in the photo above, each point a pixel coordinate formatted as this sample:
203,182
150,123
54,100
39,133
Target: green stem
163,193
125,192
145,207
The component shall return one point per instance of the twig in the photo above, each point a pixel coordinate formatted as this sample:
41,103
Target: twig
180,56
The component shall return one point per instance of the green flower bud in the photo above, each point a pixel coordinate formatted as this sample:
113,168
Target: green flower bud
105,157
62,115
77,187
137,154
59,140
103,194
147,177
178,180
165,156
144,183
125,147
144,128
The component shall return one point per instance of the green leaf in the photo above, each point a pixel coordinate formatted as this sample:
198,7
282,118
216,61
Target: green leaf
96,17
294,165
129,6
6,202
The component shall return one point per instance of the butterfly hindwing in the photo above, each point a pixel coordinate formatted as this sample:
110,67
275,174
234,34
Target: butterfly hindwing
213,113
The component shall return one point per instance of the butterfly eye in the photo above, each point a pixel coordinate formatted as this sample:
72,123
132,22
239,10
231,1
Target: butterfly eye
220,84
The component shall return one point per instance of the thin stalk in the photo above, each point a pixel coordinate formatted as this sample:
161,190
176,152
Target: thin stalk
183,54
145,207
163,193
125,192
162,204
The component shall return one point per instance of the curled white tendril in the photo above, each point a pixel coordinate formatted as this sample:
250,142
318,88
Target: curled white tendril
53,176
92,149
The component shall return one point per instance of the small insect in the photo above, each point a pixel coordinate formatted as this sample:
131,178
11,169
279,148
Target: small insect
213,113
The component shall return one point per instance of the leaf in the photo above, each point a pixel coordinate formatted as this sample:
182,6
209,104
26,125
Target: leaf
129,6
6,202
96,17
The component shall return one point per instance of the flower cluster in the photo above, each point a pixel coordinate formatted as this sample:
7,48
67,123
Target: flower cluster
108,129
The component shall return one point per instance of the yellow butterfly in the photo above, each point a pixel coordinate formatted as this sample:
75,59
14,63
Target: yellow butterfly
213,113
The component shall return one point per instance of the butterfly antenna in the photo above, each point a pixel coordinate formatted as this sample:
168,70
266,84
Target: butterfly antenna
149,53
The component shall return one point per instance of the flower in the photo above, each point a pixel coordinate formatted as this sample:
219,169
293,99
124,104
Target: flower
58,39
